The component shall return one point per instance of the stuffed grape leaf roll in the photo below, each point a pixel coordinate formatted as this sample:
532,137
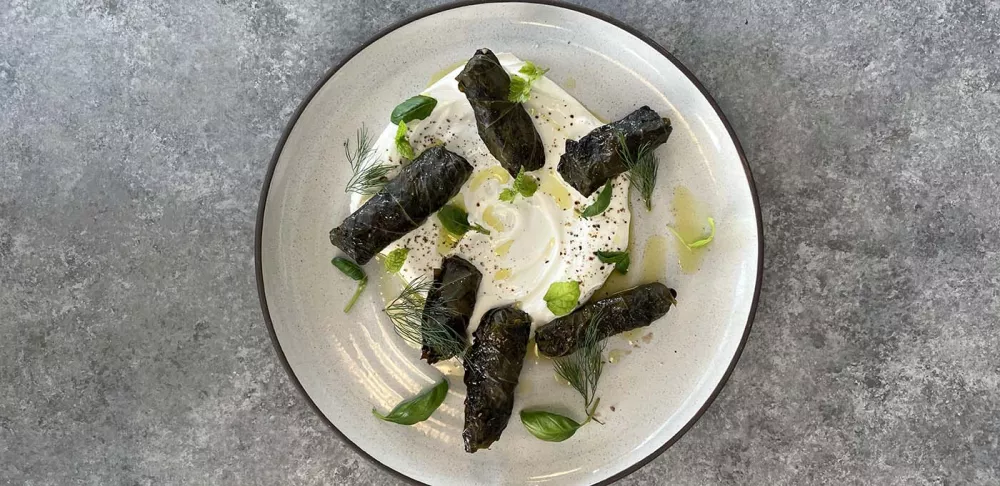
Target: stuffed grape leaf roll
492,367
421,188
504,126
590,162
621,312
448,308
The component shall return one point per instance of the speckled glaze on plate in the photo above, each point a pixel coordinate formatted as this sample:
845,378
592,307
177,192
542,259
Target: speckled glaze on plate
347,364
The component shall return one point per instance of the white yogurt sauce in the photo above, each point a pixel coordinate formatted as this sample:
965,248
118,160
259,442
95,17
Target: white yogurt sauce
533,241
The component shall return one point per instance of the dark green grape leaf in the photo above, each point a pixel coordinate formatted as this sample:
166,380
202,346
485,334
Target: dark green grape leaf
620,259
600,204
415,108
418,408
505,127
549,426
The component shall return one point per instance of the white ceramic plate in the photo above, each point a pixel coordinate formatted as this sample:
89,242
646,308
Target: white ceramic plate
347,364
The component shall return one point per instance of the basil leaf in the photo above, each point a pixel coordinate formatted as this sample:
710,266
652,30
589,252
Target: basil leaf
620,259
549,426
418,408
349,268
415,108
600,204
562,297
402,144
394,260
456,221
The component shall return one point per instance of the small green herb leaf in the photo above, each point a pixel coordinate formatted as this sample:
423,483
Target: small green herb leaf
356,273
697,243
520,89
418,408
620,259
531,71
456,221
402,144
524,185
394,260
600,204
549,426
415,108
520,84
562,297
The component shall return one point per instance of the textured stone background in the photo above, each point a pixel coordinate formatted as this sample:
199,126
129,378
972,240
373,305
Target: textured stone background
134,137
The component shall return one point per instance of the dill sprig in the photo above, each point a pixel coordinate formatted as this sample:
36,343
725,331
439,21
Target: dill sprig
422,323
642,166
368,174
583,368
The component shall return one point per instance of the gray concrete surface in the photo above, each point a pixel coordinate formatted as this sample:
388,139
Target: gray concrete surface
134,137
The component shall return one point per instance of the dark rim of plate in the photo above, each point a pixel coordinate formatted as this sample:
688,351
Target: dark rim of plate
425,13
